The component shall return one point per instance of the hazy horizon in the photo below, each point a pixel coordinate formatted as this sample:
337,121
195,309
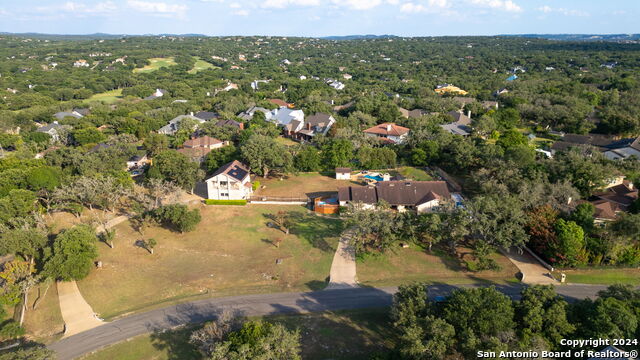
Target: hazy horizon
316,18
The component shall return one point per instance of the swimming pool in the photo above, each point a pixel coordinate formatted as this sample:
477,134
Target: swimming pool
376,177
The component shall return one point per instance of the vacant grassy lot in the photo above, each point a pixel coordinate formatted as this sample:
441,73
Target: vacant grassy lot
603,276
400,266
107,97
354,334
45,322
201,65
231,252
156,63
301,185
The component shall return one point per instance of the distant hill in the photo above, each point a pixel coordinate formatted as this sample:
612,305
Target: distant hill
359,37
582,37
96,36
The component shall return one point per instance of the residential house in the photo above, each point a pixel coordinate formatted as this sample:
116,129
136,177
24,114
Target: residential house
63,114
500,92
172,127
600,142
347,76
279,102
230,182
463,101
283,116
449,89
390,132
461,124
157,94
319,123
336,84
255,85
206,115
55,130
623,149
616,198
343,173
404,112
229,122
247,115
490,105
197,149
81,63
138,161
420,196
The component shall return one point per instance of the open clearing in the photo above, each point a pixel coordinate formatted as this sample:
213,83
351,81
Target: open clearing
45,322
231,252
353,334
603,276
399,266
108,97
156,63
303,184
201,65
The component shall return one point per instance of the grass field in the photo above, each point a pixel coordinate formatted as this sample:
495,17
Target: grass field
156,63
414,173
354,334
201,65
231,252
603,276
108,97
300,185
400,265
45,322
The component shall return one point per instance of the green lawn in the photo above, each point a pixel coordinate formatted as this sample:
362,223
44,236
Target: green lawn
353,334
108,97
231,252
301,185
603,276
414,173
45,323
156,63
201,65
399,266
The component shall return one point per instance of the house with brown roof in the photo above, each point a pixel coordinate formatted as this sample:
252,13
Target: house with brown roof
230,182
614,200
280,103
388,132
197,149
420,196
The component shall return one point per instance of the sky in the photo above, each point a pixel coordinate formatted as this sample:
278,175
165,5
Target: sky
314,18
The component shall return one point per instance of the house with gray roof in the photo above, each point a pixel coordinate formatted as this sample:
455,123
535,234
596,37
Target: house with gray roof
55,130
172,127
232,181
461,124
420,196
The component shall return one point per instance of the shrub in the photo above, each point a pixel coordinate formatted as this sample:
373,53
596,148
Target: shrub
178,216
225,202
256,185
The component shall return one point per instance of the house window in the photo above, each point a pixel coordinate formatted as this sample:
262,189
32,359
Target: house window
224,195
223,183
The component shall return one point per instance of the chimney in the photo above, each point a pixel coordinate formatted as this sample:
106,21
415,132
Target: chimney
241,126
388,127
469,114
191,113
56,122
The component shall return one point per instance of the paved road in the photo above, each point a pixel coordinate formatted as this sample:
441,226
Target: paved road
257,305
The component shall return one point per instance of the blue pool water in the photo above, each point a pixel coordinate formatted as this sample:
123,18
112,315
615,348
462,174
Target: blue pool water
376,178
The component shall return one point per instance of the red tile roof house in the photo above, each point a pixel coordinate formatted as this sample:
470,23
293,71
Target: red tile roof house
391,132
197,148
421,196
230,182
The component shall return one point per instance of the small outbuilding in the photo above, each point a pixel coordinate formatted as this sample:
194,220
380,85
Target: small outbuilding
343,173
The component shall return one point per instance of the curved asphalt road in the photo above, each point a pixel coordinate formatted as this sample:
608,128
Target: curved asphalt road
258,305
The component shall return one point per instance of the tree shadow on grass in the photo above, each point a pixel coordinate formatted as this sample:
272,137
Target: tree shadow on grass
176,343
313,229
316,285
349,334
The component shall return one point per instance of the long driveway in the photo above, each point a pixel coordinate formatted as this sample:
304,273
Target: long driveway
257,305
